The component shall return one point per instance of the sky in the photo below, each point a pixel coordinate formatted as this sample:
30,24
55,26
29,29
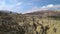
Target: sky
26,6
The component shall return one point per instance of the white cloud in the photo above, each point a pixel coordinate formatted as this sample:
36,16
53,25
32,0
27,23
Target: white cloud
50,6
11,7
47,7
19,3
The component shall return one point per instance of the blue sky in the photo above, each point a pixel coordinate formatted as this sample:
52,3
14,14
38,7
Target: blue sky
25,6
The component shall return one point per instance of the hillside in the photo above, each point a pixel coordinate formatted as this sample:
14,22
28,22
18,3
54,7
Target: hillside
46,12
27,24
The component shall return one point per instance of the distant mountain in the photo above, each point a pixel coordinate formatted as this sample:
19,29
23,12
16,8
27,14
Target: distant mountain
45,13
7,11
